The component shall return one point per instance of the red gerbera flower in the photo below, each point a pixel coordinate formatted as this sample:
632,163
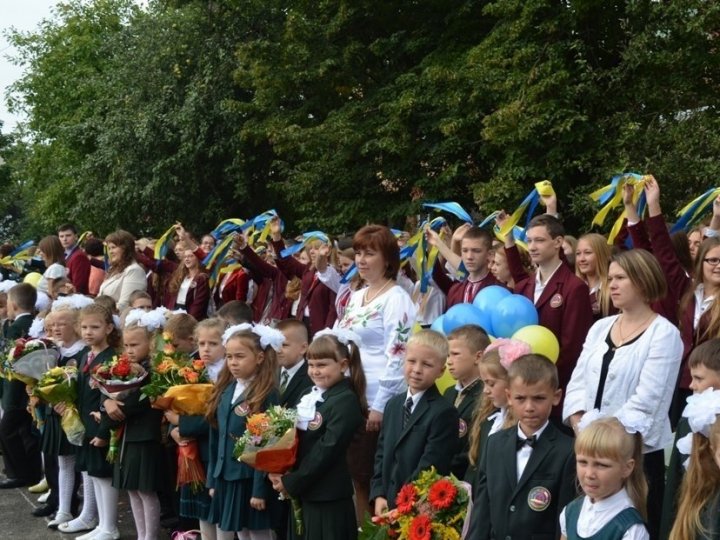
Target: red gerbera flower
421,528
442,494
406,498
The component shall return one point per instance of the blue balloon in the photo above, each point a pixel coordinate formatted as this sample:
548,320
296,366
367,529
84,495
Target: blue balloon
489,297
437,325
462,314
512,314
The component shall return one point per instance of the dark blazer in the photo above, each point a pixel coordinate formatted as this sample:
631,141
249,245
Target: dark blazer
14,396
564,308
297,386
78,268
460,462
455,290
673,481
89,399
315,295
471,473
503,503
280,305
231,425
321,472
429,439
196,427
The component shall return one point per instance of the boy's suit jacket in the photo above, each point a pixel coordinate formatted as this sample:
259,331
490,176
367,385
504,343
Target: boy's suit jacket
430,438
14,396
465,410
528,509
298,385
231,419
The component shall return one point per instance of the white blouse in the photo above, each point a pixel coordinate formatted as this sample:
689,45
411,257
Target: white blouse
594,517
641,377
121,286
384,325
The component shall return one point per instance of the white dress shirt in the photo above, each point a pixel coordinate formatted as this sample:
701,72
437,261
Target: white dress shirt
523,455
291,371
498,419
702,304
540,284
240,386
415,399
594,516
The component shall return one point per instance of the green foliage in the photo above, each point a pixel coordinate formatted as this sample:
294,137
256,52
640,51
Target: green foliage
338,113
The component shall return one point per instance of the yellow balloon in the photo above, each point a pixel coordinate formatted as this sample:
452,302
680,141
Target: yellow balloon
541,341
33,279
445,381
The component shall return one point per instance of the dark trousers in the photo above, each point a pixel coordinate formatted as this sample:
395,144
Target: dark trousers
20,447
654,466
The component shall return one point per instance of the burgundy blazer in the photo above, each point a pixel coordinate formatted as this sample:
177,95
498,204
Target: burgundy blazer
455,290
563,308
197,299
315,295
268,277
78,267
236,288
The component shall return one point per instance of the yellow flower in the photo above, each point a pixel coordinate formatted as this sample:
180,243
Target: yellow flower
167,336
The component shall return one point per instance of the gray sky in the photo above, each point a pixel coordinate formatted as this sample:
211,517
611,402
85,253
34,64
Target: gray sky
23,15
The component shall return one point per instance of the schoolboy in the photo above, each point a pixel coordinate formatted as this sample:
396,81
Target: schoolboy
704,364
20,446
475,249
526,474
235,312
419,427
562,299
294,379
466,345
181,326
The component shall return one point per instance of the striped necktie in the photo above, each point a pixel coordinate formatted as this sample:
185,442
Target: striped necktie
407,411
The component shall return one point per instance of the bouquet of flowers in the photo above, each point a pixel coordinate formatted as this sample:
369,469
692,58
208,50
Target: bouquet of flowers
181,384
433,507
59,385
29,359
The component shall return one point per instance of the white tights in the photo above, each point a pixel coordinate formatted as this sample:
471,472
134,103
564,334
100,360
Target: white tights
66,483
107,501
89,508
146,512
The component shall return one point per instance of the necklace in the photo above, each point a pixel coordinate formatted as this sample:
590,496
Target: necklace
367,299
626,337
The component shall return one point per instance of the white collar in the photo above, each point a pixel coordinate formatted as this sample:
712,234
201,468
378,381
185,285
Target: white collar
621,497
73,349
21,315
214,368
537,434
415,397
459,387
292,370
539,282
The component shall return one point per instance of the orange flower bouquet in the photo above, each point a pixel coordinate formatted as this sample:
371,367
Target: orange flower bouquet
433,507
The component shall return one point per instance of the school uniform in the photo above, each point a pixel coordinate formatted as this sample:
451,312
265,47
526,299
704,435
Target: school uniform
138,465
196,299
196,504
611,518
464,401
20,444
233,286
78,269
321,477
317,300
471,471
463,291
526,508
673,481
563,308
298,384
91,458
429,438
271,283
235,483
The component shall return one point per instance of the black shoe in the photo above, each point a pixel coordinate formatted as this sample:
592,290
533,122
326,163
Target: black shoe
11,483
44,511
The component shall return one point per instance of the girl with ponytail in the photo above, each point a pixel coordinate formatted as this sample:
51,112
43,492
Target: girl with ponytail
328,418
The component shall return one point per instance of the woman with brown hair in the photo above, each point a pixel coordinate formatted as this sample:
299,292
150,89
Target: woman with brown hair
188,287
124,275
51,251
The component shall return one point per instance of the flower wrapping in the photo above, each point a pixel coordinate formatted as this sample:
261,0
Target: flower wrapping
59,385
29,359
433,507
173,369
118,377
187,399
190,467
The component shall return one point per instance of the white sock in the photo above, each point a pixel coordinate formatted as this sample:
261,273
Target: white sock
98,500
151,507
66,483
109,506
138,514
223,535
207,530
89,508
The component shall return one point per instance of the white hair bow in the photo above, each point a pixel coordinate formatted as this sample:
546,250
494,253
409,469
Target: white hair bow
343,335
269,337
702,410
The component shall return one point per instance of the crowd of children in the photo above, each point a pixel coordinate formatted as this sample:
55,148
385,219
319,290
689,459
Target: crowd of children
293,325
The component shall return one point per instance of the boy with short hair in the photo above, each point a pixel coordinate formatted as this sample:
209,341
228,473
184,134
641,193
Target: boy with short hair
475,250
419,427
20,446
466,345
235,312
526,474
562,299
704,364
294,379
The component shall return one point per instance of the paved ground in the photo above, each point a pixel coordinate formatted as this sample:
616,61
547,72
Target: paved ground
16,522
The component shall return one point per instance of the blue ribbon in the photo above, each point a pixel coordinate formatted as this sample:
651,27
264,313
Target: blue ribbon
452,207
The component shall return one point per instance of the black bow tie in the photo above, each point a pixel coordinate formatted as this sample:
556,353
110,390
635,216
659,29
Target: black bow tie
530,441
